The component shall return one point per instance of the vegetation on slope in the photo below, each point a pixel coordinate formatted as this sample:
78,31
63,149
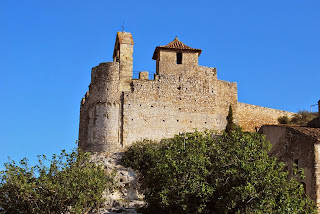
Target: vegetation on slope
71,184
301,118
202,173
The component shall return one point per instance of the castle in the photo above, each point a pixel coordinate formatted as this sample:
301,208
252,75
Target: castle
118,110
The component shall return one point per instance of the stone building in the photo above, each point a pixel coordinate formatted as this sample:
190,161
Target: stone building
315,123
118,110
300,146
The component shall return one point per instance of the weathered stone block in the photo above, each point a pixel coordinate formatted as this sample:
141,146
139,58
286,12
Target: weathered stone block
144,75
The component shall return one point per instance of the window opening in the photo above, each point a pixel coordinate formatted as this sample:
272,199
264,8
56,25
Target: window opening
179,58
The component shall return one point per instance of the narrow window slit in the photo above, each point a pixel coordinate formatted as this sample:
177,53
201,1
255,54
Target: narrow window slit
179,58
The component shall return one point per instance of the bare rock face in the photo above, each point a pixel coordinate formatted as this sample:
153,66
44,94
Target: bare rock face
127,197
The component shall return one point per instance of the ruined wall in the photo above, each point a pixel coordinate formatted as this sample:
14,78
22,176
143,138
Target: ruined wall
100,110
251,116
291,146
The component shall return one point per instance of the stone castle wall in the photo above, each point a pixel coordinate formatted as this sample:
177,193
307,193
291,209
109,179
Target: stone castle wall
118,110
174,104
251,117
227,94
99,112
167,63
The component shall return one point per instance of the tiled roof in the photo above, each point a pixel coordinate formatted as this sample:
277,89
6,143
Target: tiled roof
176,44
311,132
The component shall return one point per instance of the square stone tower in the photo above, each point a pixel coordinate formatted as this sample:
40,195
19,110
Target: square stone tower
123,50
118,110
174,57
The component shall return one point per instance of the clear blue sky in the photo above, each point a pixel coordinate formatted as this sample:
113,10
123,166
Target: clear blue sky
271,48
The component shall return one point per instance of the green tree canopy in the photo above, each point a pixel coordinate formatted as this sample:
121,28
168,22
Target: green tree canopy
202,173
70,184
230,124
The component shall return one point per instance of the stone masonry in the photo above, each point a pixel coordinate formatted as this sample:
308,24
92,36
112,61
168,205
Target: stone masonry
118,110
298,146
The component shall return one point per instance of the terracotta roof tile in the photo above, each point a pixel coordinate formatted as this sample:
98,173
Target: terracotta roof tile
176,44
311,132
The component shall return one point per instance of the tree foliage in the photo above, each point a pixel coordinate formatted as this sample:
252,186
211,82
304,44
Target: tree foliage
70,184
230,124
300,118
284,120
202,173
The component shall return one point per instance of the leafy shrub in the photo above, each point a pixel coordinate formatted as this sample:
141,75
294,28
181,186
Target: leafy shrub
230,124
284,120
141,155
71,184
300,118
200,173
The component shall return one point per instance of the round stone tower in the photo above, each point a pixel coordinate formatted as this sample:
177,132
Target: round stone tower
102,107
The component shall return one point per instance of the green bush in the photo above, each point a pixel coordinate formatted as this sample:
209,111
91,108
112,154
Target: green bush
230,124
284,120
70,184
302,118
200,173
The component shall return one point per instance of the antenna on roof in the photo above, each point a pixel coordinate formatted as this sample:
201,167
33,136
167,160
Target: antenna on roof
312,106
122,26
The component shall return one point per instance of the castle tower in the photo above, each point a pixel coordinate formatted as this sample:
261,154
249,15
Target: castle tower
175,55
101,110
122,53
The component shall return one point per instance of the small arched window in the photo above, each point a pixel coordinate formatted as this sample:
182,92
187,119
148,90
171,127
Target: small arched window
179,58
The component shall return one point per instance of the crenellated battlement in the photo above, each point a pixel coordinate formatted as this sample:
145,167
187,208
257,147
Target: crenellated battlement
118,110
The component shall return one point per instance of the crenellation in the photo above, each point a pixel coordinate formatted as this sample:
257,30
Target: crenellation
118,110
182,97
144,75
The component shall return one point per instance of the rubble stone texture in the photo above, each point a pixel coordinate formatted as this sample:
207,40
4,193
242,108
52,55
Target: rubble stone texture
118,110
128,197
